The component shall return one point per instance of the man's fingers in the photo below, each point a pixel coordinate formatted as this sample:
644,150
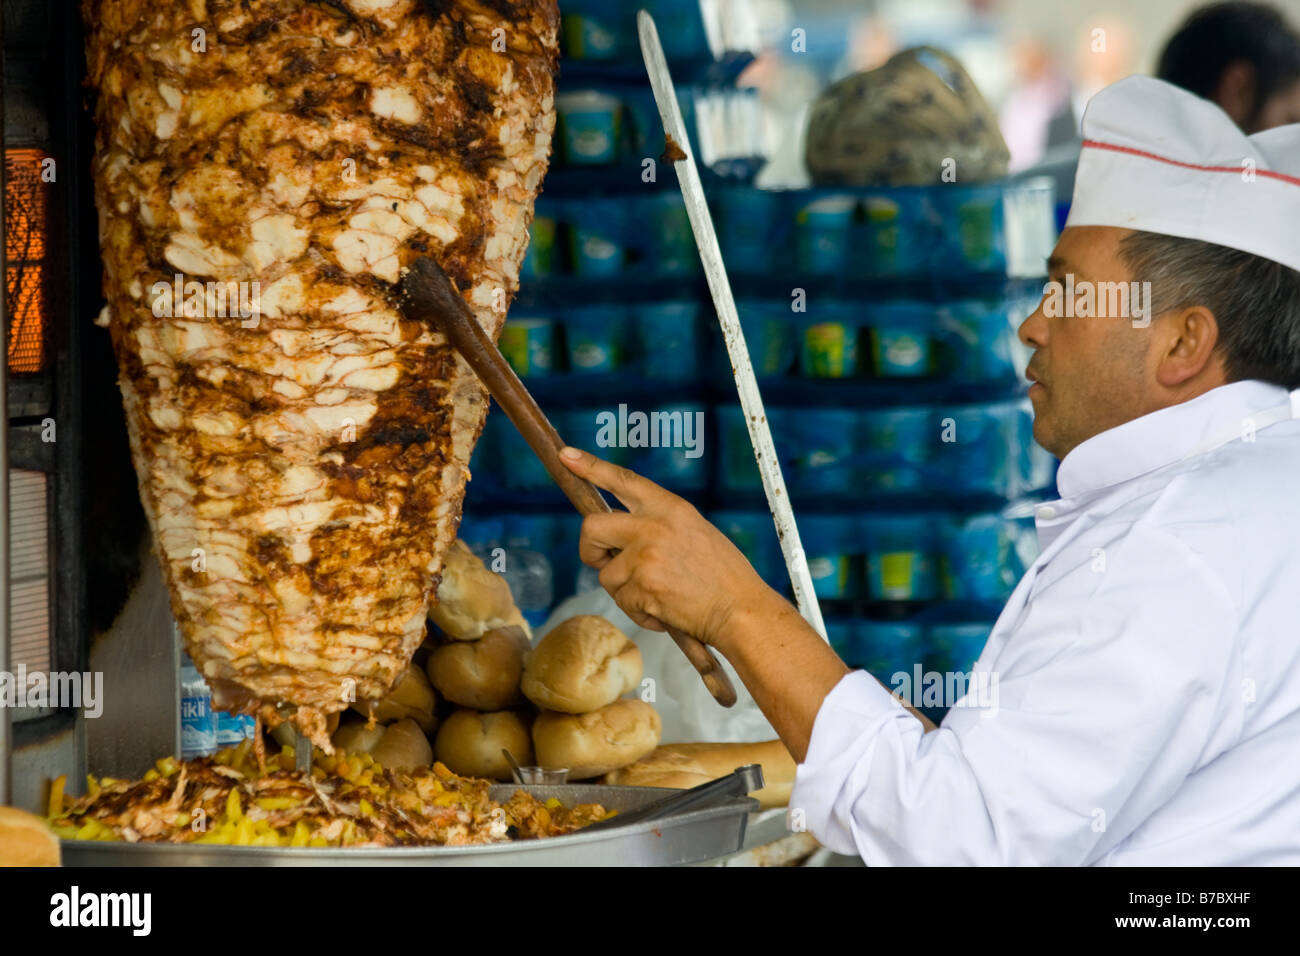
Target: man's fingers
604,533
632,600
616,573
627,486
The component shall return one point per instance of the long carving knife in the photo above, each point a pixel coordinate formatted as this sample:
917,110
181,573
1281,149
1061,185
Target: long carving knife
706,240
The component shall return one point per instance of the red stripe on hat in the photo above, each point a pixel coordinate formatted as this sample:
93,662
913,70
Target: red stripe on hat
1283,177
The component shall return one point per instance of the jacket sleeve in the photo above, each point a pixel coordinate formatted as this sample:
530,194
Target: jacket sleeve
1112,687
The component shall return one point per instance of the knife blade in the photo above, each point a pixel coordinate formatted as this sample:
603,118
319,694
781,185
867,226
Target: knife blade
706,241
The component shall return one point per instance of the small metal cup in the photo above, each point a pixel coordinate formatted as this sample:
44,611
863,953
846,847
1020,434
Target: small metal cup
542,775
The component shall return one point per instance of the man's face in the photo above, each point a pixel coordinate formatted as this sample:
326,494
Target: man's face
1090,373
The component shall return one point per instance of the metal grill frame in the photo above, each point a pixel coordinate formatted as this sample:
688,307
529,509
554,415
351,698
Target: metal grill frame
73,280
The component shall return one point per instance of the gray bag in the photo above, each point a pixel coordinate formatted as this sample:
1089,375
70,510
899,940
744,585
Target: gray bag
897,124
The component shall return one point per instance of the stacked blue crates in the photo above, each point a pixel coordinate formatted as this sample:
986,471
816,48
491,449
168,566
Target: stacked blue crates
881,323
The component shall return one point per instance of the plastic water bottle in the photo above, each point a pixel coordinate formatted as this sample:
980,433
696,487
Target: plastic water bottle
198,720
531,583
233,729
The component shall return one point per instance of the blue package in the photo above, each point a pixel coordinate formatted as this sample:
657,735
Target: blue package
840,634
737,468
901,339
829,341
680,26
597,236
770,330
601,431
596,338
749,219
1035,466
594,31
591,124
823,233
977,559
672,248
528,344
540,260
755,535
894,238
644,129
980,337
901,557
667,339
675,456
896,445
834,549
888,648
521,469
824,447
956,646
974,227
980,457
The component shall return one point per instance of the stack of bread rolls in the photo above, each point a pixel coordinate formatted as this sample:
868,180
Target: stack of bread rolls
558,705
476,666
472,660
578,674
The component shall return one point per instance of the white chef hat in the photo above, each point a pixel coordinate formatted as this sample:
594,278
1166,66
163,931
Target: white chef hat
1160,159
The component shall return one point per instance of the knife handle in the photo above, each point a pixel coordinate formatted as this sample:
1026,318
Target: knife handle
429,297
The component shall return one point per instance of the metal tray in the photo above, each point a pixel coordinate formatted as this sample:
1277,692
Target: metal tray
687,838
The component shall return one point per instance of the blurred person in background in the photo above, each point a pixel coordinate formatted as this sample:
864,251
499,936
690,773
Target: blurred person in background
1244,57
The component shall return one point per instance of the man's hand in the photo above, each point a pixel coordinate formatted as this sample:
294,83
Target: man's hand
673,569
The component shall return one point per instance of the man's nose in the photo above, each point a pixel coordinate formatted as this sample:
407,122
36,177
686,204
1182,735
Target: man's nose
1033,331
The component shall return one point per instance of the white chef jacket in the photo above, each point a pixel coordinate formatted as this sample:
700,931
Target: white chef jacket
1147,667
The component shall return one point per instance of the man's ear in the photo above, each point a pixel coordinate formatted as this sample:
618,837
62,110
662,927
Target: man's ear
1190,347
1235,93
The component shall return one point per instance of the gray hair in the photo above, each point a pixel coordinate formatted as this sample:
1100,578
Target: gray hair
1255,301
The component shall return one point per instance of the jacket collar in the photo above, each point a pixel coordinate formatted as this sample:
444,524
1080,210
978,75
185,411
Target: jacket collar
1163,437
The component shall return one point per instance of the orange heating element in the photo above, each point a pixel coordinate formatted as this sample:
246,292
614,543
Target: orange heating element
26,295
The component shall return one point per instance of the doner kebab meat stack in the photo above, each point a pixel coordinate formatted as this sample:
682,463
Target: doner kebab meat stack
303,469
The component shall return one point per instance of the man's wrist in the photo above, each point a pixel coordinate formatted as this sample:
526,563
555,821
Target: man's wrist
761,612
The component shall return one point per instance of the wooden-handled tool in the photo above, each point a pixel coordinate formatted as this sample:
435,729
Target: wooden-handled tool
428,296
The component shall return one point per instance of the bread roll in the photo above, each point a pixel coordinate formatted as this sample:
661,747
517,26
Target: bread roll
591,744
26,840
482,674
472,599
581,665
688,765
357,736
470,743
403,747
412,697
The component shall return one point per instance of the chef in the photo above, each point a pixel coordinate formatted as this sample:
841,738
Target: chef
1147,667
